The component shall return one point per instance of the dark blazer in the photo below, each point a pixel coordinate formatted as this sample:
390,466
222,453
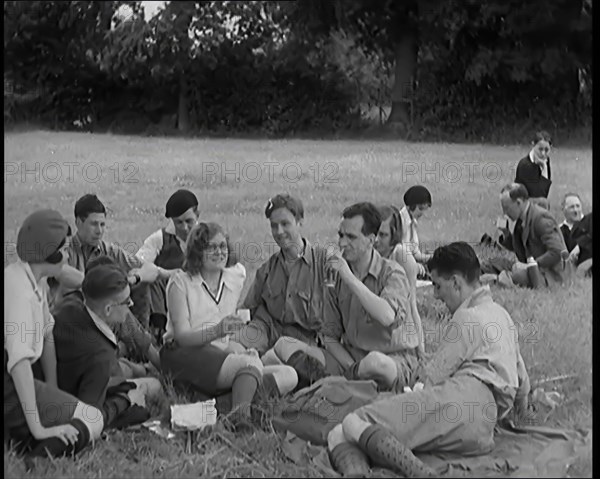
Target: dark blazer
582,235
86,360
568,236
530,175
542,240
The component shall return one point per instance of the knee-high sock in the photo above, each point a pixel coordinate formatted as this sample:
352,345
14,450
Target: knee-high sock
54,447
244,387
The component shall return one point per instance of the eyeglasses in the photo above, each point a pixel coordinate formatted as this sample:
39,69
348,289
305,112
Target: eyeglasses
128,302
212,248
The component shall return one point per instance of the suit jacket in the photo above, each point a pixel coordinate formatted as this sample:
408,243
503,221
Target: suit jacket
530,175
582,235
542,240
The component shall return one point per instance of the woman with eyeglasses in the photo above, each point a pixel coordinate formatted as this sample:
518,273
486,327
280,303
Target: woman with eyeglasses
389,245
534,172
202,301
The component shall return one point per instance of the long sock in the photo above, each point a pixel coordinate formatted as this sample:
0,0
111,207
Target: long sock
244,387
54,447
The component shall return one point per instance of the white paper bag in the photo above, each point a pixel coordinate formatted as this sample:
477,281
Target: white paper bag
194,416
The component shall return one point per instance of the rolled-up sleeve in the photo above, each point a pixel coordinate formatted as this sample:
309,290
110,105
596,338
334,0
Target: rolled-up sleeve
124,259
396,291
151,247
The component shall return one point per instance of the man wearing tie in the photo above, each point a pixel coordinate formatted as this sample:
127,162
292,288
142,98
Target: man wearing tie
536,238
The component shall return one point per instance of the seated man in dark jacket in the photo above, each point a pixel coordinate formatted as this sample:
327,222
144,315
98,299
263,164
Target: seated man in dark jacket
86,346
536,239
581,255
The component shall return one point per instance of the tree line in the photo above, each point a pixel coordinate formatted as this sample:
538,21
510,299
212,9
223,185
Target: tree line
278,68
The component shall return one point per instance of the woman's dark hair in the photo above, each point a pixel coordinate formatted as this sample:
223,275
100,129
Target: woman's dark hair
197,243
391,212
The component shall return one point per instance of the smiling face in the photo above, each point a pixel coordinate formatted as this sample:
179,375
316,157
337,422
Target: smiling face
285,228
572,209
352,241
91,230
184,223
214,257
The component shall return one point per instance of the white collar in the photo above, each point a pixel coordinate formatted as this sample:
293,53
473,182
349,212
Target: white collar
406,216
533,160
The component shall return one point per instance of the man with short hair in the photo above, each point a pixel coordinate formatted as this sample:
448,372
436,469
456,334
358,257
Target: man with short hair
86,344
34,406
470,371
87,244
286,297
371,300
166,248
536,239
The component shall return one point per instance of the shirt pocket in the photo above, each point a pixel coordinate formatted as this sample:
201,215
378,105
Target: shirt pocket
274,299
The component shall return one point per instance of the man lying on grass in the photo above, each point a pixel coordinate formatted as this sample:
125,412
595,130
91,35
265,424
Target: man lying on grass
86,245
371,300
86,347
480,373
34,407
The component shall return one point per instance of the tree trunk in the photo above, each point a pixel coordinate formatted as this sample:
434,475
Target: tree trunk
183,112
404,75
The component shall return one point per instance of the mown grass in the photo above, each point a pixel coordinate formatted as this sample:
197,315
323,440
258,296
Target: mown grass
139,174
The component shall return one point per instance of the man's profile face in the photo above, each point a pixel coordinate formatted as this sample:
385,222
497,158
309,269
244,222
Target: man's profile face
511,208
91,230
352,240
572,209
118,307
184,223
444,290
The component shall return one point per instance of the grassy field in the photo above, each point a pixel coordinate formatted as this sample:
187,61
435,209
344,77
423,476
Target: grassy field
233,179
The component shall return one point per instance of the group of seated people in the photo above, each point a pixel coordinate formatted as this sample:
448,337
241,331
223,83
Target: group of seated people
348,309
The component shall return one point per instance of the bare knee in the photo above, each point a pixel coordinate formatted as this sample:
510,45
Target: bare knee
286,346
376,362
353,427
91,417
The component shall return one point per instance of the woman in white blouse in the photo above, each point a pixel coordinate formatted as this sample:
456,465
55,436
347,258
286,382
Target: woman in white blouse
201,304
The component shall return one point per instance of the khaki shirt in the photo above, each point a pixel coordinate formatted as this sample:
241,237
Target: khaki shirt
294,300
481,340
80,255
388,280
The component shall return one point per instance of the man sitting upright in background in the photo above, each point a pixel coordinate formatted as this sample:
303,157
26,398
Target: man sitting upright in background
536,239
165,248
571,208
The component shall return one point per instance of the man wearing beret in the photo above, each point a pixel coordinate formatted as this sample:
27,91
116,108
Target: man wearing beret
87,244
166,247
86,345
48,420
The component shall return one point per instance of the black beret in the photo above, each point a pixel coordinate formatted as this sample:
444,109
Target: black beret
180,202
417,195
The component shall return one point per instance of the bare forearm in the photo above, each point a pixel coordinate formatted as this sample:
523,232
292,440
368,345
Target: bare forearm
22,376
376,307
70,277
148,272
48,361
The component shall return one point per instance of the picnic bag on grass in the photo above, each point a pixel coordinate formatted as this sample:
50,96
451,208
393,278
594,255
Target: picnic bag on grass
315,410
